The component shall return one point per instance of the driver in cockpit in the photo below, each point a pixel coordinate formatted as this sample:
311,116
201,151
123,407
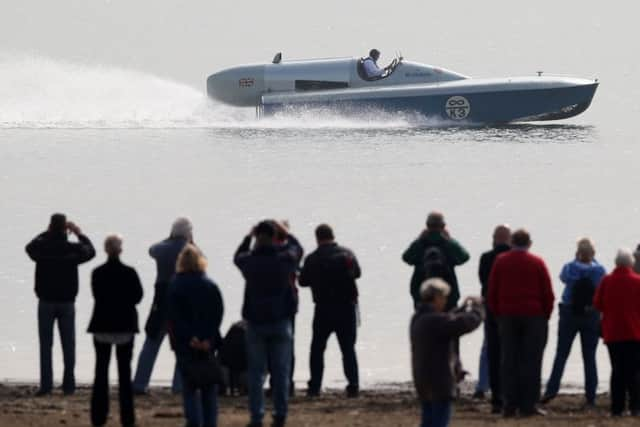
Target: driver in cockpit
370,64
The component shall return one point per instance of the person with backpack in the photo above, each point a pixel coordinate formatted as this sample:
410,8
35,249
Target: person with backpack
435,254
577,316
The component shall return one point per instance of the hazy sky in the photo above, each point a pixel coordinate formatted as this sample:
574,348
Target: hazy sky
186,40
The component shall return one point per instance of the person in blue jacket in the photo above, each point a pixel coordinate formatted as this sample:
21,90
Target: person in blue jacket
578,318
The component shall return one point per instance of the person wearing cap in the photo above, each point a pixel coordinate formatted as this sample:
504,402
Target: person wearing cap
618,300
434,334
331,272
117,290
165,253
574,319
56,286
520,296
268,306
435,235
370,64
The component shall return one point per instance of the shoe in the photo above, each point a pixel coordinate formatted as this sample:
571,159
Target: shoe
68,392
278,422
547,398
313,393
478,395
496,409
508,413
353,391
42,393
536,412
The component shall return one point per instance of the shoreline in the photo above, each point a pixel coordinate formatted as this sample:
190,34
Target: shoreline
383,407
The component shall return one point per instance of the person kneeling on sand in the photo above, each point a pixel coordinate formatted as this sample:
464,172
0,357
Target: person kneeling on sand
434,333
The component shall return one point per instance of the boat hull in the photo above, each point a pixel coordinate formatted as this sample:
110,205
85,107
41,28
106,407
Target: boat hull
456,103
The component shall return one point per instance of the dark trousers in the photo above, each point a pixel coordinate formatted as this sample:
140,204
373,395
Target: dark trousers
625,375
100,392
328,319
65,314
492,335
522,339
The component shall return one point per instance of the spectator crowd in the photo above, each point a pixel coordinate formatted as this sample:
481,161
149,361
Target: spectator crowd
515,305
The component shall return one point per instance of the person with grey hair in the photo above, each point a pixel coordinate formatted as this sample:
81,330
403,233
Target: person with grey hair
117,290
577,315
618,299
165,253
434,333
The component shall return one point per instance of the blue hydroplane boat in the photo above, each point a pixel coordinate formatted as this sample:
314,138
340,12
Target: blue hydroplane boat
340,85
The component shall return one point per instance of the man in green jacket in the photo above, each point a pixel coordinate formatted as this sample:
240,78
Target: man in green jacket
423,254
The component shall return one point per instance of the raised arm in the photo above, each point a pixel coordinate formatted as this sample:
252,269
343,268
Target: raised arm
243,251
414,253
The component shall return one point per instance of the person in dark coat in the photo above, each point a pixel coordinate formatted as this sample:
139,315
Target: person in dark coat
435,236
165,253
268,306
195,313
56,286
117,290
434,334
520,296
331,272
501,243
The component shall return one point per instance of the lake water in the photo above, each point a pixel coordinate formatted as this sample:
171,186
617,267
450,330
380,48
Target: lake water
135,151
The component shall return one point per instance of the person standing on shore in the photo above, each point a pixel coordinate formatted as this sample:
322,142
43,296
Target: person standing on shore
195,312
435,248
288,244
434,335
56,286
618,299
165,253
501,244
331,272
577,315
636,260
117,290
521,298
269,303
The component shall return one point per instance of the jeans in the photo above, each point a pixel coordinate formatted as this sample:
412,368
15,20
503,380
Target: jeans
65,314
200,405
146,360
625,375
342,321
436,413
100,392
588,325
483,368
273,342
523,339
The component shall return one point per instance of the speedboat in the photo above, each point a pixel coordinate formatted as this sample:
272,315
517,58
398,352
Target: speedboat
341,85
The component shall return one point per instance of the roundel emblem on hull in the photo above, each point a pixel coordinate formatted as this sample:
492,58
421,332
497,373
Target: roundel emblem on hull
457,107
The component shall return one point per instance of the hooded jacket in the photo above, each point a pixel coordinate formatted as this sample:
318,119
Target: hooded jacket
574,270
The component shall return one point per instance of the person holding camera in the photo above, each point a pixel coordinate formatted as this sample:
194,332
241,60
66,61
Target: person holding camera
56,286
269,305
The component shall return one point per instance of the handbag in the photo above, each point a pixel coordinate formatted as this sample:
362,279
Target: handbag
202,369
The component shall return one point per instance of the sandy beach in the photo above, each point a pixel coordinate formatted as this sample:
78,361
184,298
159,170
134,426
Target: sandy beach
374,407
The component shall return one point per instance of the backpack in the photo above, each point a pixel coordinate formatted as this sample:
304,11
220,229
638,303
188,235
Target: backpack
436,264
582,295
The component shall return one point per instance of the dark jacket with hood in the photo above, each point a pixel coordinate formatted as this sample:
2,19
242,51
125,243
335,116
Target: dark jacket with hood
414,256
331,272
434,358
117,290
57,261
269,295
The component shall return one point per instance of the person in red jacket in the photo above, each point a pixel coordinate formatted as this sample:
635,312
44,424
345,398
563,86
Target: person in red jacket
618,299
521,298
